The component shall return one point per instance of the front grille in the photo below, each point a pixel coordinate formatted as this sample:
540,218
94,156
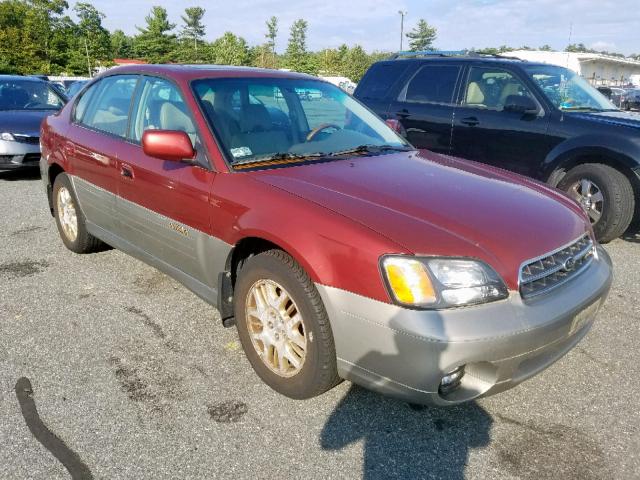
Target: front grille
27,139
542,274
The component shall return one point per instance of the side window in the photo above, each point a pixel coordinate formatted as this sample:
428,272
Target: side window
160,106
433,84
108,107
380,79
83,102
489,88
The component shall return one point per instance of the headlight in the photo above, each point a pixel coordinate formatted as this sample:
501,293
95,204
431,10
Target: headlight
7,136
441,282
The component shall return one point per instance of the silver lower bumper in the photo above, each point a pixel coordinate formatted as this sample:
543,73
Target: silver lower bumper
405,353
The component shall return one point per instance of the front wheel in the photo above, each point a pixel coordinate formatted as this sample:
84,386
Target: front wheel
605,194
283,326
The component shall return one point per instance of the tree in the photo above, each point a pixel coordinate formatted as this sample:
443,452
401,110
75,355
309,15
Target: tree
40,22
229,50
272,34
193,30
155,43
422,37
97,38
356,63
546,48
296,55
121,44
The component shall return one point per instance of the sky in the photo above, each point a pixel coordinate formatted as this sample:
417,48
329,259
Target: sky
375,24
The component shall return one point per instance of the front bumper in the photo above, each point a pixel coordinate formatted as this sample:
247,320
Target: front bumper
18,155
405,353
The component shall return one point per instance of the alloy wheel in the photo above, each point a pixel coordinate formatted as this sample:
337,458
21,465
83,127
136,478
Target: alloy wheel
276,328
590,198
67,214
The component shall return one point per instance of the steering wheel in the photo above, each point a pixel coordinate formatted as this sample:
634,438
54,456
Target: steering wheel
319,128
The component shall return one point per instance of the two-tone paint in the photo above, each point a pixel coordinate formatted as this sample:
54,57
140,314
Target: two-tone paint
337,219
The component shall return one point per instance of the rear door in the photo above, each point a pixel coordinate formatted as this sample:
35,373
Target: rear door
164,205
485,132
98,129
425,105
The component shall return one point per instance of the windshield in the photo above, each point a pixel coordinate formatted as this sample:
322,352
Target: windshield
568,90
28,95
269,119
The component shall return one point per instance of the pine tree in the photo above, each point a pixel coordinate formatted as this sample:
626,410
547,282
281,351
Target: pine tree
297,56
155,43
422,37
193,30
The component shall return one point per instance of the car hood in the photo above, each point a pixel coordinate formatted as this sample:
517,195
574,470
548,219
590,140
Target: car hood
437,205
25,122
617,117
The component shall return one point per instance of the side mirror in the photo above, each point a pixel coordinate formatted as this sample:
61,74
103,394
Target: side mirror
520,104
170,145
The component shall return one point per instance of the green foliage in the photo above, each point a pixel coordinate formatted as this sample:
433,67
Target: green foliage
191,35
229,50
297,57
121,45
155,43
422,37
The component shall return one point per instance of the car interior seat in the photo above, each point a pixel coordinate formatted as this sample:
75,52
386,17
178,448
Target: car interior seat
474,97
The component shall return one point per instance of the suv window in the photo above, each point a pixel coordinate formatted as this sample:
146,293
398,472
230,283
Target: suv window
108,108
161,107
433,84
489,88
380,79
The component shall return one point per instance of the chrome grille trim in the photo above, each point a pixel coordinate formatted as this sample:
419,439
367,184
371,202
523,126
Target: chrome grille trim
542,274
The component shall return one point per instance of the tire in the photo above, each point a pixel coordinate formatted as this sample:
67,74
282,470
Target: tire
82,241
317,372
618,202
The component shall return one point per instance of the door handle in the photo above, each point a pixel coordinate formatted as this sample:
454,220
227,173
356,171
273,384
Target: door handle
126,171
404,113
470,121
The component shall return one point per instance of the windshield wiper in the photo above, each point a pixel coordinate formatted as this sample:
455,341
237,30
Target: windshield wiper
282,157
370,149
583,109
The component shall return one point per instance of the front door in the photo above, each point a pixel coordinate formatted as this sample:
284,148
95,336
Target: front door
164,205
485,132
425,106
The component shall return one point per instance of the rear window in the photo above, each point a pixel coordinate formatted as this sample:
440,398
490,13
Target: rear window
379,80
433,84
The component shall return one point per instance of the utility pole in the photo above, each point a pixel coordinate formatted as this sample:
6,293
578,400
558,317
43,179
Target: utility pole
86,49
402,14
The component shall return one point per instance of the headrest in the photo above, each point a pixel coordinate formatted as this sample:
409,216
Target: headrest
255,118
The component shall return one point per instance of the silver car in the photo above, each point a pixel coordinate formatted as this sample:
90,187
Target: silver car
24,103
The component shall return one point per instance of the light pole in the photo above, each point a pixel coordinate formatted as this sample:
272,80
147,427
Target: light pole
402,14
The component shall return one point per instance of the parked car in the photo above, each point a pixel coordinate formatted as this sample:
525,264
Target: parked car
616,96
75,87
630,99
24,102
338,250
535,119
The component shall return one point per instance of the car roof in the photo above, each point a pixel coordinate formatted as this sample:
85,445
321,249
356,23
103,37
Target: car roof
192,72
21,78
464,58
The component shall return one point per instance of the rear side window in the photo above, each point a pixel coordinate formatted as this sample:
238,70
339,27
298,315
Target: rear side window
379,80
81,106
432,84
108,107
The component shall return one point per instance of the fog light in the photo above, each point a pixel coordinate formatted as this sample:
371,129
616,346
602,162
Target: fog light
451,380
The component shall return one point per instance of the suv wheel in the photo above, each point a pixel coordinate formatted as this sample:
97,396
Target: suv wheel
283,326
70,220
605,194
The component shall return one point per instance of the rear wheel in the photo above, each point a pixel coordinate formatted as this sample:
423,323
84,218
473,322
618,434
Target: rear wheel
70,220
605,194
283,326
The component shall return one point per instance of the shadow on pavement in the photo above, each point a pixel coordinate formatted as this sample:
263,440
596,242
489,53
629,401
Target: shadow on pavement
30,173
406,441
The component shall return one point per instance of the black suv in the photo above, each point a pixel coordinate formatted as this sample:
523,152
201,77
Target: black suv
539,120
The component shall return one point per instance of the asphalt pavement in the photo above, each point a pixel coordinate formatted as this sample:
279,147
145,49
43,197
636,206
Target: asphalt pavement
110,369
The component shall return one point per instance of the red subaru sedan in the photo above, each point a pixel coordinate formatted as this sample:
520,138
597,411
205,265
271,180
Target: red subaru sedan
337,249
